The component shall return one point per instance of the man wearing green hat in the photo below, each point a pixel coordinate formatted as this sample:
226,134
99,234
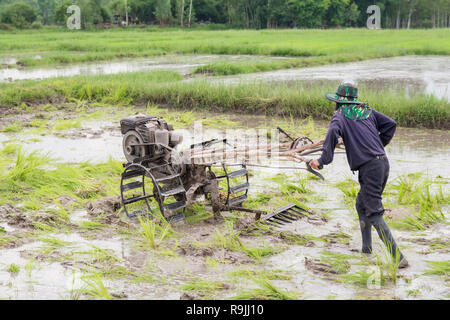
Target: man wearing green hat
365,132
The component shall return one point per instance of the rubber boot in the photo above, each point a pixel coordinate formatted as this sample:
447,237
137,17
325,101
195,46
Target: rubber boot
366,227
385,235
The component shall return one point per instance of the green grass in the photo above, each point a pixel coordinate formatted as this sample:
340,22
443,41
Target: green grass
269,274
204,287
266,291
154,234
350,190
229,239
298,100
57,46
13,268
51,244
293,238
36,181
14,127
95,288
338,262
60,125
439,268
423,196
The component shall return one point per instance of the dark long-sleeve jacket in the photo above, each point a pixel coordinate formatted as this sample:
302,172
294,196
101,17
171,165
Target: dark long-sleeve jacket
363,139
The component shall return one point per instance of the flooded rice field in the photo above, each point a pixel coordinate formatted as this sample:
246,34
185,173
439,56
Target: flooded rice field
316,257
183,64
414,74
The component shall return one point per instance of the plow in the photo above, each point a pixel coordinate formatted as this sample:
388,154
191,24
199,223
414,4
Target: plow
158,178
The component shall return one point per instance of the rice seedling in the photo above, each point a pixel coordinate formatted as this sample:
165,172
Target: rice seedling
269,274
14,127
96,288
258,200
293,238
91,225
29,266
336,237
359,277
153,234
51,244
9,149
439,268
266,291
43,180
258,253
350,190
414,191
120,272
229,239
60,125
13,268
386,269
196,213
337,261
205,287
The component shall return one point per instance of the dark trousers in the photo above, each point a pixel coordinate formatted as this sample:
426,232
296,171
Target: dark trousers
372,177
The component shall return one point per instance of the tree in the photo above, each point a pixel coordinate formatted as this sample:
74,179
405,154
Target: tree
46,9
214,11
162,11
18,14
307,13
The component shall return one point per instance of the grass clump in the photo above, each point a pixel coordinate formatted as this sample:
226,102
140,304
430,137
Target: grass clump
293,238
230,240
196,213
154,234
14,127
439,268
38,180
13,268
205,287
350,190
96,288
60,125
269,274
266,291
338,262
299,100
423,196
311,45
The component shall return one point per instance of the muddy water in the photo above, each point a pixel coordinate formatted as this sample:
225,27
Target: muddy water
182,64
411,150
427,74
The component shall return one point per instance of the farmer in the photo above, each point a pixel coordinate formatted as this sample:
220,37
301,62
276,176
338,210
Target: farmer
365,132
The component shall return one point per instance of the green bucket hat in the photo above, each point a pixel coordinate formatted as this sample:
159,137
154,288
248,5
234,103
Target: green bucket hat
347,93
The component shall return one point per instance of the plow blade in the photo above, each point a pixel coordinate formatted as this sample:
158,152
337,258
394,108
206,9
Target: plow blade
283,215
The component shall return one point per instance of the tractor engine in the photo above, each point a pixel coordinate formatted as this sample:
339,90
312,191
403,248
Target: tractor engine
147,137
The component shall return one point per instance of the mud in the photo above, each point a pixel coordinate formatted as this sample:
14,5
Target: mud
27,220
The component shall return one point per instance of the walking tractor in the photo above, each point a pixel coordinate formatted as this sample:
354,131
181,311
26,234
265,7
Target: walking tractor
159,178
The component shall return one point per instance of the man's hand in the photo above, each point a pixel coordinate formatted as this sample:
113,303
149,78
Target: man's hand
314,164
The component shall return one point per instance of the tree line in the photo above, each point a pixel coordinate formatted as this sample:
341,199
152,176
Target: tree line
257,14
